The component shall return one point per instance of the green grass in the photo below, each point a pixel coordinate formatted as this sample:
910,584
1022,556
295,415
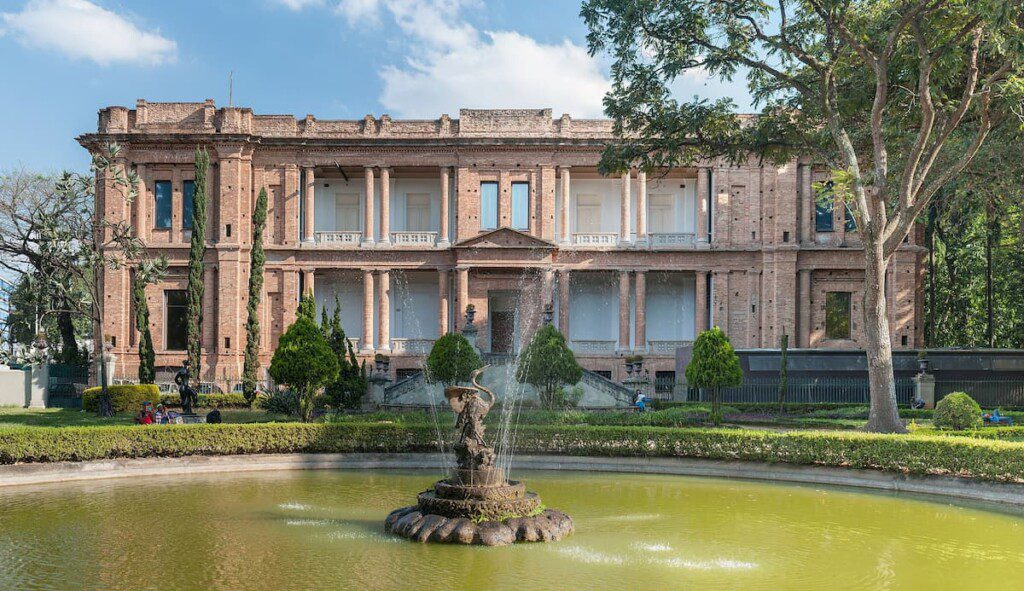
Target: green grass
59,417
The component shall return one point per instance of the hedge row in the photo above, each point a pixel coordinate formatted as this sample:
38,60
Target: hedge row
230,400
123,397
914,454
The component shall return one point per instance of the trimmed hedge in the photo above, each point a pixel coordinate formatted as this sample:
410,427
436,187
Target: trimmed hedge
957,411
913,454
230,400
123,397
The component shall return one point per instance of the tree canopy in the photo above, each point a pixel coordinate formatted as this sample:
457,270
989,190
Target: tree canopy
548,364
451,360
304,360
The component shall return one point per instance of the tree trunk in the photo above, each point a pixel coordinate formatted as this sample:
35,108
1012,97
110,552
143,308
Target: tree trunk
68,345
884,416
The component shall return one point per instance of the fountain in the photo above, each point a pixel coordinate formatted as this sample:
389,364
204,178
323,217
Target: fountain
477,504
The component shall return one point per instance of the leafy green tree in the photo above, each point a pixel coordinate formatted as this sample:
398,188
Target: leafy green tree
196,253
451,360
146,273
304,360
548,365
257,260
895,97
714,366
348,390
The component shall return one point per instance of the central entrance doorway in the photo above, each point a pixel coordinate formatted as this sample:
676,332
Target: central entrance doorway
503,320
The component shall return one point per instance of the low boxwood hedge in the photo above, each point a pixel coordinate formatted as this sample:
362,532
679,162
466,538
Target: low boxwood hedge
123,397
230,400
913,454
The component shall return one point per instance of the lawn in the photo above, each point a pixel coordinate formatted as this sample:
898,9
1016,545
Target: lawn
59,417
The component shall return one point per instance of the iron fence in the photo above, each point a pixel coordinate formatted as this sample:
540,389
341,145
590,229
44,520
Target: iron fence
65,385
1003,392
805,390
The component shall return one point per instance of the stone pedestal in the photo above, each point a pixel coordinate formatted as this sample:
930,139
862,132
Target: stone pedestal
38,384
924,388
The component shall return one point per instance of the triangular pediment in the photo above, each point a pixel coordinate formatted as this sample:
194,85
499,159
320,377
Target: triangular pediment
504,238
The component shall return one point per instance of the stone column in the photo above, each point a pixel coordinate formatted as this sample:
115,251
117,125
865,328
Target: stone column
624,217
547,288
641,208
566,200
443,237
700,300
805,305
623,311
368,233
924,389
563,302
460,310
141,206
385,206
384,312
308,205
703,203
308,282
367,344
442,302
640,334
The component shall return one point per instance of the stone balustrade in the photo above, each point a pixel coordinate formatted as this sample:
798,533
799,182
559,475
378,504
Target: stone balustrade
592,347
408,346
666,347
673,240
595,238
338,239
414,238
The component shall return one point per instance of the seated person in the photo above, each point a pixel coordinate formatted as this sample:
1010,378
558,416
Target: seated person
145,416
160,416
639,401
213,417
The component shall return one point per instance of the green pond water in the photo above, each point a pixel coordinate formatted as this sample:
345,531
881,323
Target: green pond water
323,530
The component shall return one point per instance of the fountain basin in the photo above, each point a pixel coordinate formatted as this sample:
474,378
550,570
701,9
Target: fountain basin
548,525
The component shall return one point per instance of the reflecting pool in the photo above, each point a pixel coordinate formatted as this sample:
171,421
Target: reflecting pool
323,529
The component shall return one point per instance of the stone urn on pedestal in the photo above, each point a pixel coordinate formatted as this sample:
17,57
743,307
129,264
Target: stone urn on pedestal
477,504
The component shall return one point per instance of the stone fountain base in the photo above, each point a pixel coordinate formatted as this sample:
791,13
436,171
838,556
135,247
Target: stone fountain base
479,507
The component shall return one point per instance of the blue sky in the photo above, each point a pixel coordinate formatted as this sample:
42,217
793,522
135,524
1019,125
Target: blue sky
62,60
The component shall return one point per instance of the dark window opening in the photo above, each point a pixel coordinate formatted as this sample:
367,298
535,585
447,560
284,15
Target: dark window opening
664,382
227,342
188,204
227,230
823,206
606,374
162,211
175,326
837,315
785,236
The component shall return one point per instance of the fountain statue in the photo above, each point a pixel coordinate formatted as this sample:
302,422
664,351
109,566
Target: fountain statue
477,504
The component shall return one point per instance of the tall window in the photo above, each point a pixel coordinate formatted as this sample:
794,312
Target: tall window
837,314
661,213
588,214
346,212
188,205
823,206
417,212
850,222
488,205
521,206
175,303
162,194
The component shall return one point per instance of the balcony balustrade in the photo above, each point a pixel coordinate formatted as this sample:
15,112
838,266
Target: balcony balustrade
411,346
666,347
674,240
414,238
595,238
593,347
338,239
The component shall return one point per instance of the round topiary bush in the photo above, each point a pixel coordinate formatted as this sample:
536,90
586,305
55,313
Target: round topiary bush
123,397
957,411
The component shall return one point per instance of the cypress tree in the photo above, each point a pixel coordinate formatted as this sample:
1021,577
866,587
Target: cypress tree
252,323
348,389
194,311
147,356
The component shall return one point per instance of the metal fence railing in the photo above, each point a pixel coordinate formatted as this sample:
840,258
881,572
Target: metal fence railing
805,390
986,392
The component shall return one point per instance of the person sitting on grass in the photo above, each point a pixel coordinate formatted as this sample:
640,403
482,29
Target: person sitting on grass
213,417
145,416
160,417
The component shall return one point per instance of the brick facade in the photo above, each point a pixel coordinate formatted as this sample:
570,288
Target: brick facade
754,242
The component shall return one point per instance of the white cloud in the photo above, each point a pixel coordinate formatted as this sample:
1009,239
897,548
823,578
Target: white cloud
299,4
452,64
83,30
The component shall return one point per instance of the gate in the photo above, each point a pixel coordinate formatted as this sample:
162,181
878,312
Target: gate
65,385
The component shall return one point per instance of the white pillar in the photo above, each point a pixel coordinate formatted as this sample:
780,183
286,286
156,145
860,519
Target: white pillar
367,344
624,217
641,208
385,206
368,233
307,205
566,199
443,239
384,312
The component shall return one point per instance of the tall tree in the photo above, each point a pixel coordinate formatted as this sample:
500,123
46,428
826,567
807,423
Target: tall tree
548,364
875,89
257,259
714,366
197,251
304,360
147,272
348,390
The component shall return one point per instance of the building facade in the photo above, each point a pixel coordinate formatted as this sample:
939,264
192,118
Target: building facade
406,222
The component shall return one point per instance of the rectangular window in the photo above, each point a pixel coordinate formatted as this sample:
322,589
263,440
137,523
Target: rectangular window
188,197
661,213
175,304
837,314
488,205
850,222
588,214
521,206
162,211
346,212
664,382
417,212
823,215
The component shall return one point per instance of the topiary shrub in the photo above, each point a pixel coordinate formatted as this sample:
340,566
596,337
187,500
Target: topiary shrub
123,397
957,411
303,359
549,365
451,360
714,366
